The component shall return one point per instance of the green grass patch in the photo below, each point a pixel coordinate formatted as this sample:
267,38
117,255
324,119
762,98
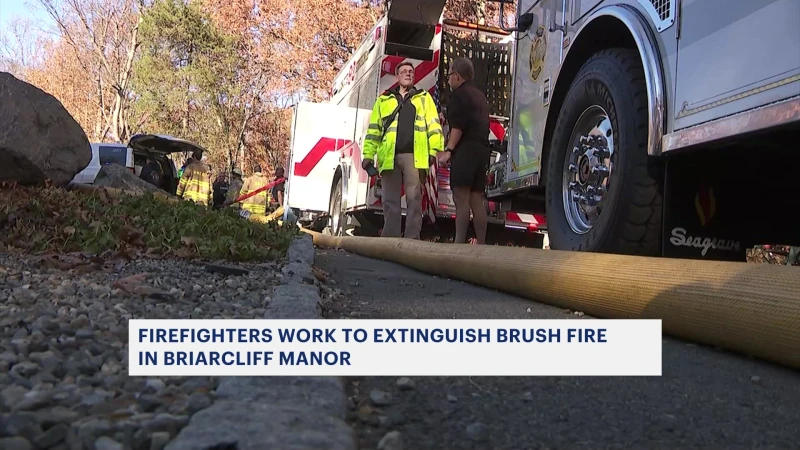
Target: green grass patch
58,220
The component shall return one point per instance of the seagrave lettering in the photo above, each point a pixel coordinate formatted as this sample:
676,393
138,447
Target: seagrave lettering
680,239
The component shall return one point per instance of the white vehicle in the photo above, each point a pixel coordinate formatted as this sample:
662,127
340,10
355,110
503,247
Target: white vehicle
326,186
134,156
102,154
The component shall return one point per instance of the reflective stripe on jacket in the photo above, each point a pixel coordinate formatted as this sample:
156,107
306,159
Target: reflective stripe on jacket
428,137
256,204
195,184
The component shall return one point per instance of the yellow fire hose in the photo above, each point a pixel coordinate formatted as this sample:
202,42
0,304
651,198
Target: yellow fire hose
748,308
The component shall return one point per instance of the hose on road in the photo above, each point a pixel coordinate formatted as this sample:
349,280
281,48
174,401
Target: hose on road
753,309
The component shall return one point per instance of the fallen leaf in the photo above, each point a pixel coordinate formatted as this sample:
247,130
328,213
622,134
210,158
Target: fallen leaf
131,283
319,274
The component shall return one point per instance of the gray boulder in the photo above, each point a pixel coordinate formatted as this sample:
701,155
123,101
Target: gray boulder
39,139
118,177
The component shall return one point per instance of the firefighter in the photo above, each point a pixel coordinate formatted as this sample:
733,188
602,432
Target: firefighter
235,189
256,204
405,133
195,184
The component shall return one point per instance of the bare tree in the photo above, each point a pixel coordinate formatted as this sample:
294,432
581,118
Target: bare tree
104,37
19,47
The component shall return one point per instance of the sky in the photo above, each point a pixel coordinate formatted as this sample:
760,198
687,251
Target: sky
23,8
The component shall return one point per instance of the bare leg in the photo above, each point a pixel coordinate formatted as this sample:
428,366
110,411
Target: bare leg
461,199
479,220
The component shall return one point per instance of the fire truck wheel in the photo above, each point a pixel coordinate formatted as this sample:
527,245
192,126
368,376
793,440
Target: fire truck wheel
602,195
336,217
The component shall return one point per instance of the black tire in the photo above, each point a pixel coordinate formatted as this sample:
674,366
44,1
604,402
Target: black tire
335,204
630,219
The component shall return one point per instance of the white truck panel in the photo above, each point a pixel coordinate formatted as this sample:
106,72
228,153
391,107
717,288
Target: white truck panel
321,131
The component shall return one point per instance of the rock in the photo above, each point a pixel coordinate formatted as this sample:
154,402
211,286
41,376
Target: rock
197,402
52,436
119,177
155,384
93,430
405,384
159,440
301,250
527,397
393,440
41,140
167,422
380,398
12,395
452,398
106,443
15,443
478,432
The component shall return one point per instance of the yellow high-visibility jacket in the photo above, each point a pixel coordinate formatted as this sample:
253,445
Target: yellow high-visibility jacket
428,136
195,184
256,204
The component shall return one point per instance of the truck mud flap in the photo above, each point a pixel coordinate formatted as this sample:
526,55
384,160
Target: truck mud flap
719,203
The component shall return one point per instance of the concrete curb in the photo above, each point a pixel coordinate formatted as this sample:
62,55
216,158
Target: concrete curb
277,413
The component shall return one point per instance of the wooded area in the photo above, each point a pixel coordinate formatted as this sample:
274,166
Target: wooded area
222,73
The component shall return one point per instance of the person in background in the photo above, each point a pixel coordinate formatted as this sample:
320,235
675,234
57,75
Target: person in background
794,255
405,133
256,204
183,167
220,190
234,189
278,189
195,184
467,149
151,172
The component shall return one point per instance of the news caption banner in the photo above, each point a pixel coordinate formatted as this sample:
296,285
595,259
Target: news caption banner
395,348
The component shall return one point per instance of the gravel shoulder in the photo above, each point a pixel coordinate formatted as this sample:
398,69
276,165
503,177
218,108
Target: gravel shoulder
63,349
705,399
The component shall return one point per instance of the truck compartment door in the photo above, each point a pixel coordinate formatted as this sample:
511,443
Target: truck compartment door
734,56
538,59
321,131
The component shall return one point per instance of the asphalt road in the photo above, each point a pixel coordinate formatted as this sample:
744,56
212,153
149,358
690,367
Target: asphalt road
705,399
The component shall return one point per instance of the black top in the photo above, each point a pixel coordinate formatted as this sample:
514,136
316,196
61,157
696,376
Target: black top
405,121
468,110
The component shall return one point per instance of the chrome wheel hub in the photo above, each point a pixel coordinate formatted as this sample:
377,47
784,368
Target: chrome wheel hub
587,169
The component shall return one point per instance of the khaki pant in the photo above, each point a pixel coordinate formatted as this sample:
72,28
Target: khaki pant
403,176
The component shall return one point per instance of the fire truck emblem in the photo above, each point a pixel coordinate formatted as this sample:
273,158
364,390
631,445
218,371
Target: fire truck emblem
706,206
538,52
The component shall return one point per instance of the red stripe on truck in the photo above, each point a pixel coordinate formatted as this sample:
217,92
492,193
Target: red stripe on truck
323,146
497,129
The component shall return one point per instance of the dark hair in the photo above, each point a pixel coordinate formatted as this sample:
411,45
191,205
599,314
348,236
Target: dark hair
256,168
279,169
404,63
463,67
197,155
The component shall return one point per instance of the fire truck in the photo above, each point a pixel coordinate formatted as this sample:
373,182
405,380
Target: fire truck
655,127
327,188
